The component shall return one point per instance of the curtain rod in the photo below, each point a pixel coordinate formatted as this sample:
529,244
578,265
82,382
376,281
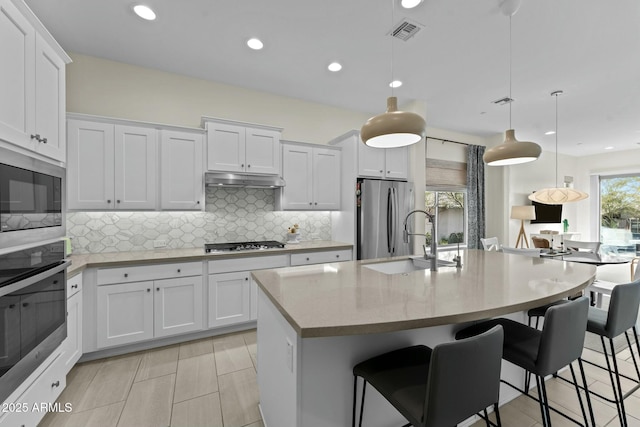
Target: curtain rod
448,140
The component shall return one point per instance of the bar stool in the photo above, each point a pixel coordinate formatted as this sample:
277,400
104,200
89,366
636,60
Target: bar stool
544,352
621,316
439,387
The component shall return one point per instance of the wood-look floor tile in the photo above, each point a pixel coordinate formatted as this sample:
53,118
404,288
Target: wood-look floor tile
231,354
250,339
258,424
196,377
104,416
111,383
563,395
531,409
195,348
509,416
84,371
239,397
203,411
149,403
158,362
631,422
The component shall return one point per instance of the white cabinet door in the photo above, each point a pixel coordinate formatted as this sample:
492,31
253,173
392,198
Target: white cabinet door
262,151
229,298
50,101
225,147
17,41
177,306
124,313
181,175
397,163
73,343
135,167
370,161
326,179
297,164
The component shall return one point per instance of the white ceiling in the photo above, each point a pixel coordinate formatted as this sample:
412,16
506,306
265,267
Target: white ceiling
457,65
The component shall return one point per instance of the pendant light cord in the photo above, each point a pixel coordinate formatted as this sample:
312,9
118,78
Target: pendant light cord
557,139
392,37
510,60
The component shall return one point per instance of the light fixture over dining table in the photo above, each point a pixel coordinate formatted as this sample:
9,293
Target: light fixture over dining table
557,195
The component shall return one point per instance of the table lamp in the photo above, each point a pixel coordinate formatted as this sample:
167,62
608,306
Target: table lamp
522,213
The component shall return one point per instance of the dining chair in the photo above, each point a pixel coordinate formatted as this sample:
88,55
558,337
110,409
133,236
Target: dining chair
604,287
530,252
490,244
540,242
577,245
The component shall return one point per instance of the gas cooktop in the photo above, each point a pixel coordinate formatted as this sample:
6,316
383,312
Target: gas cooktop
242,246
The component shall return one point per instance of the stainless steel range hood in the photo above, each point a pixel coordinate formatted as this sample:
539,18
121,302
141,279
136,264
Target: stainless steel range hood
224,179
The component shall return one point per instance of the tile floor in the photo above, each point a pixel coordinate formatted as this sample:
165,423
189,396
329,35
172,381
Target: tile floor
212,382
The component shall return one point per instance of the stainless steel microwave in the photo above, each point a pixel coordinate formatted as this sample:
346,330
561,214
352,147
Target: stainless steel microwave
32,200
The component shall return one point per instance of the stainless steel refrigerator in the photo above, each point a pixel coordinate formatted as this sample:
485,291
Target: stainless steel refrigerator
381,209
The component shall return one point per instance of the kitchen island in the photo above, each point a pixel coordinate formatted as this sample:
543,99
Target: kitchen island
316,322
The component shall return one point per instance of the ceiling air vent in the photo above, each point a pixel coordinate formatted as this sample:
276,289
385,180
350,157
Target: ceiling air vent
503,101
405,29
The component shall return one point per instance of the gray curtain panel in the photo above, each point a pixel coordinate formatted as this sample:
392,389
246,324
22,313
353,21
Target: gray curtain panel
475,196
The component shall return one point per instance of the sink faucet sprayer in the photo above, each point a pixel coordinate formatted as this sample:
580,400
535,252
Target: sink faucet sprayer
433,256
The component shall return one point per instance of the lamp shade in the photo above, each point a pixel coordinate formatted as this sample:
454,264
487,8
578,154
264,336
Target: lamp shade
557,196
393,128
512,151
523,212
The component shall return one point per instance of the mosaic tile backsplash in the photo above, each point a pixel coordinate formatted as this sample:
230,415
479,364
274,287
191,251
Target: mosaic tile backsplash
231,215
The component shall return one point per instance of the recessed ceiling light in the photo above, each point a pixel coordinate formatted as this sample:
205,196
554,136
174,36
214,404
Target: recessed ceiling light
551,132
395,83
144,12
255,44
410,4
335,66
609,148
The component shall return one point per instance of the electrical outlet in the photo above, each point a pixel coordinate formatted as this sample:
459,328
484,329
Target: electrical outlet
159,243
289,356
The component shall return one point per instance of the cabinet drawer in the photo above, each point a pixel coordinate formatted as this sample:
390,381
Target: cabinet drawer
320,257
148,272
247,264
74,285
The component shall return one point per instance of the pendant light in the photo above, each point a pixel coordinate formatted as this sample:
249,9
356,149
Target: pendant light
557,195
511,151
393,128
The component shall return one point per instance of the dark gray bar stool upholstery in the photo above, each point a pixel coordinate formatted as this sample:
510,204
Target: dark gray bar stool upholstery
439,387
621,316
544,352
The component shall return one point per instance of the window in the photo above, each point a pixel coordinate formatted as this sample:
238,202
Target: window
620,213
449,208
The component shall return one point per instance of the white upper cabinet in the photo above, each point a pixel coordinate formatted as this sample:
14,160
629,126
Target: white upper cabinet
181,178
388,163
236,147
312,176
111,166
32,82
136,160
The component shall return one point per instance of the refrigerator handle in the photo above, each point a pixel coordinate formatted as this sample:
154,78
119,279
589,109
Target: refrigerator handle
389,209
394,220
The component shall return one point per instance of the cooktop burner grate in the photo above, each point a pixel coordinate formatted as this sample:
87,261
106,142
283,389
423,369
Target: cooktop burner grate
242,246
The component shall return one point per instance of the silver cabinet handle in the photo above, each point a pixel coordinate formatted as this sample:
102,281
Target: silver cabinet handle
74,286
36,136
56,384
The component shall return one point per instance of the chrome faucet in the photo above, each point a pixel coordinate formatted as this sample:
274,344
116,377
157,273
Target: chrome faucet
433,256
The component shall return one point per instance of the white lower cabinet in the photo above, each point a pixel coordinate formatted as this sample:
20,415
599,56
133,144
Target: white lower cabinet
137,311
229,298
72,345
321,257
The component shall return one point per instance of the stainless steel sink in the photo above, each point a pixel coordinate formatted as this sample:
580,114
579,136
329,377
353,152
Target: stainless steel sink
407,265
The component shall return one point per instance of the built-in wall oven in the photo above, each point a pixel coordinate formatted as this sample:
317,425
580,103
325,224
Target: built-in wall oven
33,310
31,200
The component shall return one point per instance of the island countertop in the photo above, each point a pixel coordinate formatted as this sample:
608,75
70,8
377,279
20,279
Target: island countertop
348,298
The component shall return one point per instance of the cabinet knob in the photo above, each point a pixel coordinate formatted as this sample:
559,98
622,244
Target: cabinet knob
307,258
74,286
246,278
126,274
43,140
148,290
198,202
337,256
36,136
118,200
25,304
242,165
12,306
178,270
388,171
109,201
316,203
248,166
56,384
310,203
381,171
158,289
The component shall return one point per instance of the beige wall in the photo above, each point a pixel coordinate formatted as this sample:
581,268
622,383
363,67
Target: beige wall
108,88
